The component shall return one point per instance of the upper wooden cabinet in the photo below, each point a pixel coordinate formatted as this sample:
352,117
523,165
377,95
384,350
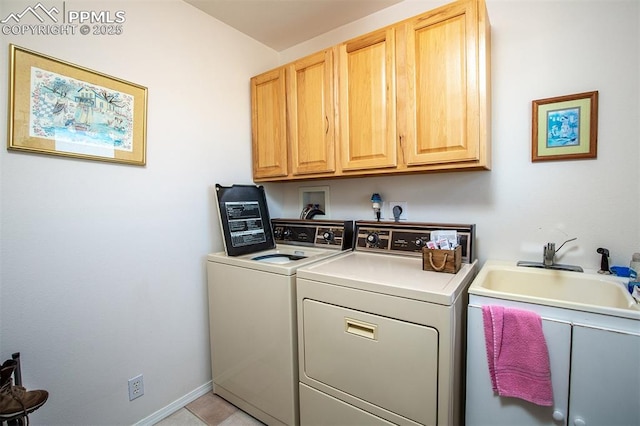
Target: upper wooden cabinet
367,101
269,125
442,87
411,97
311,111
293,119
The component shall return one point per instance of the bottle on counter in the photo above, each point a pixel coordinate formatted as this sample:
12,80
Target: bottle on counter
635,262
634,280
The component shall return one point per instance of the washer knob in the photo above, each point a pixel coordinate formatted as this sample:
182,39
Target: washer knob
418,242
328,236
372,238
277,233
286,233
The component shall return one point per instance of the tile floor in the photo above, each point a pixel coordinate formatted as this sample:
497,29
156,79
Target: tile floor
209,410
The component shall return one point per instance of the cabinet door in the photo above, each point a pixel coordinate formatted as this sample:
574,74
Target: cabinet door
439,85
484,407
367,101
605,384
269,124
310,105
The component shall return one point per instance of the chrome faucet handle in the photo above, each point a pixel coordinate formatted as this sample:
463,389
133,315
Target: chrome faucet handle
572,239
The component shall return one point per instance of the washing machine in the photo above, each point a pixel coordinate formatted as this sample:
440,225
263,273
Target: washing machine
252,301
381,341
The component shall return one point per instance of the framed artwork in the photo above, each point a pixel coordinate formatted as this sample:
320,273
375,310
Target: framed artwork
565,127
59,108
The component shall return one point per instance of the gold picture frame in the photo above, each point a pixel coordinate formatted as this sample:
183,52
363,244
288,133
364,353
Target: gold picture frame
63,109
565,127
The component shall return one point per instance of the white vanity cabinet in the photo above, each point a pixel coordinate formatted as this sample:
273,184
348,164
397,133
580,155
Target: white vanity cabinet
605,379
594,370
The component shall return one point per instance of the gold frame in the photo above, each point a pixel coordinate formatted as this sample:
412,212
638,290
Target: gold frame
581,108
118,135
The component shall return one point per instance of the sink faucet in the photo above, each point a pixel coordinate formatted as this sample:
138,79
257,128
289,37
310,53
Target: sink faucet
548,259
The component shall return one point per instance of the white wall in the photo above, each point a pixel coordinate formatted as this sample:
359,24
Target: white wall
540,49
100,259
103,265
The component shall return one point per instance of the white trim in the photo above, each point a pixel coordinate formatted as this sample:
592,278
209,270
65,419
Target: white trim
176,405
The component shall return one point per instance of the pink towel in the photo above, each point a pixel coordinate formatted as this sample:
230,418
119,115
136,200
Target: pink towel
517,354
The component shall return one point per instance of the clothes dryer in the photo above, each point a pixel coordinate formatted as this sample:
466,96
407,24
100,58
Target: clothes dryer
381,341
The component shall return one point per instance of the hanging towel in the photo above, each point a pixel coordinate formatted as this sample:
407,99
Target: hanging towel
517,354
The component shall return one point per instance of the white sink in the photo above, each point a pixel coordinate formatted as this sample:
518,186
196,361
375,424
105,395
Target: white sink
588,291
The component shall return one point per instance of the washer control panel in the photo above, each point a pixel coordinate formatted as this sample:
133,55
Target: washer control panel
408,238
316,233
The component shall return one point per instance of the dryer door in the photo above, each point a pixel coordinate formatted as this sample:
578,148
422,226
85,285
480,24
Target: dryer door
383,361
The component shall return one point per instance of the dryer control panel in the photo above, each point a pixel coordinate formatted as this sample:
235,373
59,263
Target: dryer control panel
314,233
409,238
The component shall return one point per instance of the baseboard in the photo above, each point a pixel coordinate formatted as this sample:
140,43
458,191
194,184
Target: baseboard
176,405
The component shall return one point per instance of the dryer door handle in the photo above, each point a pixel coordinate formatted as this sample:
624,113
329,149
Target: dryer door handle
361,329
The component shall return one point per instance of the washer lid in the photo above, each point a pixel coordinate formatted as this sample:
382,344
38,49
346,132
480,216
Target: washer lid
244,218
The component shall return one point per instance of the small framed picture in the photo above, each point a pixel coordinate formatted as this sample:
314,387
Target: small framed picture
565,127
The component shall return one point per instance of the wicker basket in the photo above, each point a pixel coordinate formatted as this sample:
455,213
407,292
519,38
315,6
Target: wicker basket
439,260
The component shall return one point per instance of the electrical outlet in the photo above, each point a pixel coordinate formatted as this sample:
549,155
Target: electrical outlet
136,387
402,205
